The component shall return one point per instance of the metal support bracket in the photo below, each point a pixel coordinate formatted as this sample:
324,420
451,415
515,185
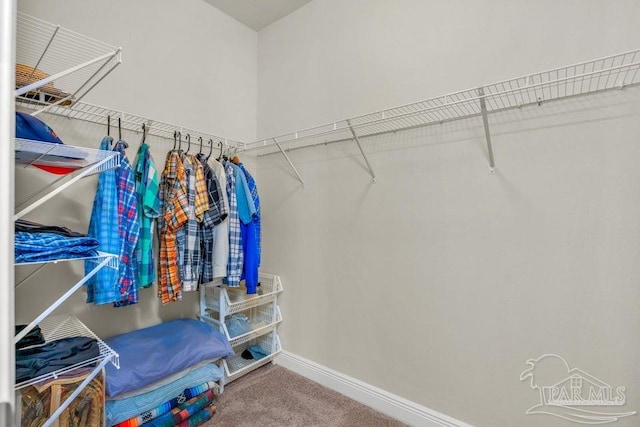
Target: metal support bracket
487,134
289,161
355,138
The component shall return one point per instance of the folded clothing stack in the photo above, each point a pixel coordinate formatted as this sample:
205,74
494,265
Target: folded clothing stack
34,361
166,376
37,242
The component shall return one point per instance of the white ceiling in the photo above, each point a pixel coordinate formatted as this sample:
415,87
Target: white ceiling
257,14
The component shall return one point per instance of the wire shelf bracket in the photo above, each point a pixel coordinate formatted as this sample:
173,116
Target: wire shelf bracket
284,153
487,133
107,260
607,73
366,160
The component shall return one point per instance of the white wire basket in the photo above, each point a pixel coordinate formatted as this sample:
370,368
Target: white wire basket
66,326
235,300
262,320
237,366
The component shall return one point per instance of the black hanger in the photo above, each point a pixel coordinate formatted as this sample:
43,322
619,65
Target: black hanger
119,129
144,133
210,148
175,139
200,140
108,125
188,146
179,140
221,147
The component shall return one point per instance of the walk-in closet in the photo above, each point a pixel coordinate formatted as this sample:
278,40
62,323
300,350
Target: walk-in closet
319,212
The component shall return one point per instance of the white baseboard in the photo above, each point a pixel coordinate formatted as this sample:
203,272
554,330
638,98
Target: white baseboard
395,406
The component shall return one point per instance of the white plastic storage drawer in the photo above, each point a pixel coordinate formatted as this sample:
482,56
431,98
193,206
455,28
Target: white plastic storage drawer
235,300
262,319
237,366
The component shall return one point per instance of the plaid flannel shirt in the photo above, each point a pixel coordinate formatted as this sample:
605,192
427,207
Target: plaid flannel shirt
188,237
174,205
146,180
234,266
211,218
129,230
103,225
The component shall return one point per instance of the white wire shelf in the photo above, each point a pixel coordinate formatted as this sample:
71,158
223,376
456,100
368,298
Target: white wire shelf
234,300
611,72
237,366
86,161
56,65
66,326
262,320
131,122
113,260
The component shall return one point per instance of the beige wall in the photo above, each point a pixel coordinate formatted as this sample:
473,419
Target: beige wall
183,62
438,282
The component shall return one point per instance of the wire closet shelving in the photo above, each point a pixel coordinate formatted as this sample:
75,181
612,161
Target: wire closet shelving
96,114
57,66
611,72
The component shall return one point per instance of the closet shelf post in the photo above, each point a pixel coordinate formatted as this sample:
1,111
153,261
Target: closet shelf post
355,138
289,161
487,134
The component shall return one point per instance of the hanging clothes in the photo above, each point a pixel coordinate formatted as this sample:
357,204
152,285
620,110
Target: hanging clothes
246,211
173,208
221,231
129,230
103,226
188,237
251,236
256,202
234,264
214,216
147,188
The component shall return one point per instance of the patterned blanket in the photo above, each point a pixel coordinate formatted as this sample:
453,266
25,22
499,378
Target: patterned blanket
167,406
184,412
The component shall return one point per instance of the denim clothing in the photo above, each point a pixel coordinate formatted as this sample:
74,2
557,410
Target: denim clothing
35,361
36,247
103,226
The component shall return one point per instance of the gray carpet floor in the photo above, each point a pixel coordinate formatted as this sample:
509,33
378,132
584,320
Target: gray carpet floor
274,396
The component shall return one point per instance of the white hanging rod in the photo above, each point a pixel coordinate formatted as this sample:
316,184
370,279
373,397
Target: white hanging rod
130,122
611,72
